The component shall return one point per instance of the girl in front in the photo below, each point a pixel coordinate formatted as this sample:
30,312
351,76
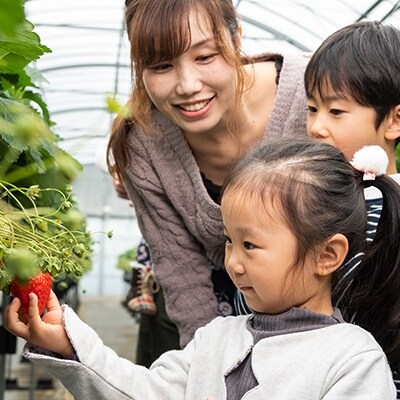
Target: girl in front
293,213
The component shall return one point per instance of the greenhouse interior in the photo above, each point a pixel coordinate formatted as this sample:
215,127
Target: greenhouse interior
70,62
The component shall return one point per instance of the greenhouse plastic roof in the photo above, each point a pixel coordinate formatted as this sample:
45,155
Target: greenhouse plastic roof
90,53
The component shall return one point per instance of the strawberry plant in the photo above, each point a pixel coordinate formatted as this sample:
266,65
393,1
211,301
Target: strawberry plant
39,239
42,233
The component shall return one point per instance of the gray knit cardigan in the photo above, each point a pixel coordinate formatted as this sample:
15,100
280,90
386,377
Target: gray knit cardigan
176,216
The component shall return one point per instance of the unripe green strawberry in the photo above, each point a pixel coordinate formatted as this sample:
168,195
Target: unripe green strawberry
21,263
40,285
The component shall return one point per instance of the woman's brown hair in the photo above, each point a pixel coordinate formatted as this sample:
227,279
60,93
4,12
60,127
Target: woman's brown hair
159,31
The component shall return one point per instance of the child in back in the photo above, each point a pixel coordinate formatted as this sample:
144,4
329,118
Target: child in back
293,213
352,83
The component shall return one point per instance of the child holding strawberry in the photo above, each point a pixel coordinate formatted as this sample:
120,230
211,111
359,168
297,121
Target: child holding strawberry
284,253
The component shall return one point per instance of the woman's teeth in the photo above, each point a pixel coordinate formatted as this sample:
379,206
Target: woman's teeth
194,107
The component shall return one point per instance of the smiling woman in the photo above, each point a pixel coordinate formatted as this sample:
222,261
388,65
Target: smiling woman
197,106
196,89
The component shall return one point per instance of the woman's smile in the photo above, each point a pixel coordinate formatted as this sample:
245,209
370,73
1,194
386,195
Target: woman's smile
195,110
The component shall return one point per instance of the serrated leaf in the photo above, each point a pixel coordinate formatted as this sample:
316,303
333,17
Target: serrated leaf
11,141
11,14
25,43
35,157
24,79
26,34
6,106
11,63
34,74
9,79
29,50
49,147
37,98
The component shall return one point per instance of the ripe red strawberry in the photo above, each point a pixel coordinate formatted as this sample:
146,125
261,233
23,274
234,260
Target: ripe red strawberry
40,284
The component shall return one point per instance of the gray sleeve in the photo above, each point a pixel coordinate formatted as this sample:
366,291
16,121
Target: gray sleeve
179,259
289,115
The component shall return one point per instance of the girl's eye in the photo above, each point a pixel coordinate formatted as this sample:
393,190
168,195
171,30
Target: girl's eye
228,240
336,112
248,245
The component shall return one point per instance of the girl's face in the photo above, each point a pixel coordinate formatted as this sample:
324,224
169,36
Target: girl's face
344,123
196,89
259,252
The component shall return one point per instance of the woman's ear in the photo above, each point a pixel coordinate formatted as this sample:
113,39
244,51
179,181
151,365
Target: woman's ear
332,254
239,35
393,130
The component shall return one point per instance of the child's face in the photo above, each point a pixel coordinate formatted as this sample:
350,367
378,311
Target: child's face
259,253
343,123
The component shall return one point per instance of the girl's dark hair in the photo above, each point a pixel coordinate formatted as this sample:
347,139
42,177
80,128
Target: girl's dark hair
159,31
322,194
361,61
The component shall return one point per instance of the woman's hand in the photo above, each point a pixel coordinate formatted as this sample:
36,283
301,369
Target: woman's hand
47,332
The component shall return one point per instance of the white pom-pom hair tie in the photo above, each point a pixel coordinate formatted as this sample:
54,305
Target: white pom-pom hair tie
372,160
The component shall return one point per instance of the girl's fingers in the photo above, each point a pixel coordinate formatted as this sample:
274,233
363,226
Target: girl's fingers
53,301
33,312
12,322
14,305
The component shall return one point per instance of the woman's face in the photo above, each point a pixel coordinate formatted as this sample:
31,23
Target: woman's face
196,89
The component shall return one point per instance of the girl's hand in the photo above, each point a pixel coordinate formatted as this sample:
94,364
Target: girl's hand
47,332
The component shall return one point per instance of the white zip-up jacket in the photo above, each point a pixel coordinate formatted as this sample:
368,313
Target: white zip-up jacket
338,362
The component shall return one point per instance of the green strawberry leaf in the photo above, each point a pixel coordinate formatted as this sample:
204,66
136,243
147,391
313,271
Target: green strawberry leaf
11,15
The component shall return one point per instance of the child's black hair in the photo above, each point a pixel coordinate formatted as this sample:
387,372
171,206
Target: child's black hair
360,61
321,195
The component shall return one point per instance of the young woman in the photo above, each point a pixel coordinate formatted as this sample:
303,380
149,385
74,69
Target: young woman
293,213
197,106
